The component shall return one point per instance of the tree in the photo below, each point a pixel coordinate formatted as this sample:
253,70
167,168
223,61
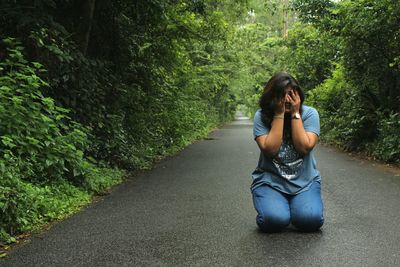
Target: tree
86,17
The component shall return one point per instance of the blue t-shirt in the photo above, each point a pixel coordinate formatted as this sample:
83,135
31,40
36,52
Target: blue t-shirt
288,171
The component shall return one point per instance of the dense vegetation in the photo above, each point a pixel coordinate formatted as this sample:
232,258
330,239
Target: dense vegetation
89,88
92,89
346,55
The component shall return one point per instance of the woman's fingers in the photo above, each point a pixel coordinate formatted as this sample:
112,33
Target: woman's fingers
294,96
289,98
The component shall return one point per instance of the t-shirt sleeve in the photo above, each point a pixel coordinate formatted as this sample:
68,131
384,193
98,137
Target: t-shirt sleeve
311,121
259,127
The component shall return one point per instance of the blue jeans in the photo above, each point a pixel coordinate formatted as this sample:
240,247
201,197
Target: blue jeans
276,210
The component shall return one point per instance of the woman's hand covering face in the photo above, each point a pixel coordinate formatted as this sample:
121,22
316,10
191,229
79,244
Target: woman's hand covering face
279,107
294,99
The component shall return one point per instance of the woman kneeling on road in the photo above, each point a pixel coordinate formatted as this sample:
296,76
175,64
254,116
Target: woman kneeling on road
286,184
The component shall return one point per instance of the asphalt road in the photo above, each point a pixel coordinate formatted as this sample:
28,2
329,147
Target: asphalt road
195,209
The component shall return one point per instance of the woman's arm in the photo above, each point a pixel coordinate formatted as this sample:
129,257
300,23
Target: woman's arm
271,142
303,141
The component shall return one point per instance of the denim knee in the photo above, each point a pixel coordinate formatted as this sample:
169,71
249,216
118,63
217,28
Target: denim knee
272,223
308,221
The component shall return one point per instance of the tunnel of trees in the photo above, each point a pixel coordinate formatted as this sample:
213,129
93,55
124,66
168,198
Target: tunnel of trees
92,90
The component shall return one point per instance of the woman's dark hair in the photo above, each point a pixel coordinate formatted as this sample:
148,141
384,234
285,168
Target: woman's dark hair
273,92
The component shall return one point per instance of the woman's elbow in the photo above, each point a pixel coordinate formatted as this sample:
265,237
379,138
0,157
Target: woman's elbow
270,151
305,150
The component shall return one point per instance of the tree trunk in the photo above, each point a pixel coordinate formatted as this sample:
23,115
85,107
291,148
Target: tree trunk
85,25
285,18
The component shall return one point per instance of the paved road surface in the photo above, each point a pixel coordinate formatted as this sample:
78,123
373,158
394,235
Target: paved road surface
195,209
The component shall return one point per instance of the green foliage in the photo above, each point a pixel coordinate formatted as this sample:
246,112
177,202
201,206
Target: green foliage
32,127
44,175
351,122
359,103
24,206
121,87
312,11
258,56
309,54
371,48
387,144
99,179
345,120
141,57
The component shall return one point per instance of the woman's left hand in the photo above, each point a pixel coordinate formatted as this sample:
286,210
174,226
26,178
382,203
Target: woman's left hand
294,99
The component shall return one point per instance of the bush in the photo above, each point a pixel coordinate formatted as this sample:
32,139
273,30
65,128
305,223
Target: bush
44,175
347,119
359,103
387,144
99,179
25,206
32,127
354,124
369,31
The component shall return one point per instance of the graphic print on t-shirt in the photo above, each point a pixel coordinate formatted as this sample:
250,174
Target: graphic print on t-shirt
288,161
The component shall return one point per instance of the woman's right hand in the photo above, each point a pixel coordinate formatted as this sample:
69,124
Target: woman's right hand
279,108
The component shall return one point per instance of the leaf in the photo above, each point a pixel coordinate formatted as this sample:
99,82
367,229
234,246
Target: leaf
143,48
